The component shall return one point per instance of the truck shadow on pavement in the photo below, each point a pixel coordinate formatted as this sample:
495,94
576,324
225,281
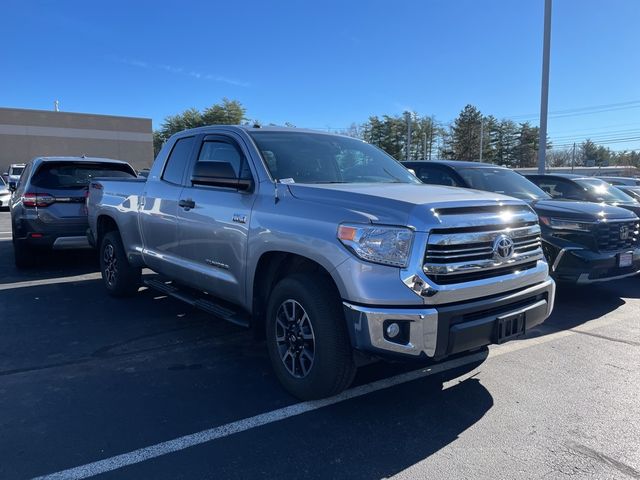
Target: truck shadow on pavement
374,437
48,265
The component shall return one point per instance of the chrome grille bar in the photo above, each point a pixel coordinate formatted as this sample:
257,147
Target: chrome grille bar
450,254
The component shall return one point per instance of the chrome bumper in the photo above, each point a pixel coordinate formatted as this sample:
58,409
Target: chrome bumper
438,332
65,243
584,279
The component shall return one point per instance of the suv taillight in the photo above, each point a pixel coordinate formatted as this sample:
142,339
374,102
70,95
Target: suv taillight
30,199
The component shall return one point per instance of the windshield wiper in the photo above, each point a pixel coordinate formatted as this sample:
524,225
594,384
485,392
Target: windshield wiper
397,180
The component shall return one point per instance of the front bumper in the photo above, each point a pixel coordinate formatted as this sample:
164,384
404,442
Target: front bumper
444,330
578,265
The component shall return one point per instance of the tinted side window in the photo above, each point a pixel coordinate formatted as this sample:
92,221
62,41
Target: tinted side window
435,176
218,151
177,161
560,188
23,178
221,151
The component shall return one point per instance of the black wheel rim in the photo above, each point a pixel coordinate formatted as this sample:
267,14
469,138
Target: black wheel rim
110,264
295,339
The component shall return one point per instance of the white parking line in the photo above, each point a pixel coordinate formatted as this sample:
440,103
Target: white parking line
50,281
186,441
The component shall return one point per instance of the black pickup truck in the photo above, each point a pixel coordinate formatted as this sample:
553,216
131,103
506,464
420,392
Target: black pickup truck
583,242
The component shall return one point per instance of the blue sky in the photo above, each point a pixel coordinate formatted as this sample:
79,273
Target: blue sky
330,63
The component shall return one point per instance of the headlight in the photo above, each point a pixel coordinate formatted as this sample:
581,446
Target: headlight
378,244
562,224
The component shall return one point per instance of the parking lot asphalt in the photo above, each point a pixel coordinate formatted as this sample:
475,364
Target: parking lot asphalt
147,387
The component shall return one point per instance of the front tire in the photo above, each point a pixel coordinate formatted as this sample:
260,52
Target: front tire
307,337
119,277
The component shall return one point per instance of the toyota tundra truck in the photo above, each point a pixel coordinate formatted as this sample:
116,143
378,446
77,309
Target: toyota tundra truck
327,245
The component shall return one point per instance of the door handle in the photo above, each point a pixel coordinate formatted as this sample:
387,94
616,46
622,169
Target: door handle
186,204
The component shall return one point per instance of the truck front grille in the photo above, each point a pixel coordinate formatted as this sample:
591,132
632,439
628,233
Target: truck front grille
462,255
618,235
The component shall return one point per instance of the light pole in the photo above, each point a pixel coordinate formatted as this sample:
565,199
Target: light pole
481,137
408,136
544,96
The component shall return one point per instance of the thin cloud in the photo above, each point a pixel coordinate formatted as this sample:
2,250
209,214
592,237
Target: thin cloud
181,71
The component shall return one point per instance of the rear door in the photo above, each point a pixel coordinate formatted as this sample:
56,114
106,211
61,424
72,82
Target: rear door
214,222
158,214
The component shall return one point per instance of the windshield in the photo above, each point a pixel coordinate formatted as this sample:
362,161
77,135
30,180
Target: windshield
16,171
502,180
301,157
603,191
73,175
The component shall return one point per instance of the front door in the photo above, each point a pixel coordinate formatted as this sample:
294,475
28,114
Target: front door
214,224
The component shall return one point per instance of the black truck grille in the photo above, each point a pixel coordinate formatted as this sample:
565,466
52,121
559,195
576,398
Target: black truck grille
618,235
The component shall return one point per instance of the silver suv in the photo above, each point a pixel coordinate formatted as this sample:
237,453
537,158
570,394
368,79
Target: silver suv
48,208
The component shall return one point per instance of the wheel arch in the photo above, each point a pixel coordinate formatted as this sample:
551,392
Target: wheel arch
271,267
105,224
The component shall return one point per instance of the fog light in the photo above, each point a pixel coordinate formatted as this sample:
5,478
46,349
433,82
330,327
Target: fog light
393,330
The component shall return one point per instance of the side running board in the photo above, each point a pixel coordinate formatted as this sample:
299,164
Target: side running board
199,300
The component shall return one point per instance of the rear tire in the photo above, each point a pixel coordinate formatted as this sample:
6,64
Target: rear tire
307,337
23,254
119,277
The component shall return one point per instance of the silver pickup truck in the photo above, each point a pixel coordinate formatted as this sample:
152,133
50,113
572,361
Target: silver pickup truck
327,245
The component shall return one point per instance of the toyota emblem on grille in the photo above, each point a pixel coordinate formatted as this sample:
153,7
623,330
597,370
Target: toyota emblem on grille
624,232
503,247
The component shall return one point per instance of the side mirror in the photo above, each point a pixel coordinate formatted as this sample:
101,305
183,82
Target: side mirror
12,186
219,174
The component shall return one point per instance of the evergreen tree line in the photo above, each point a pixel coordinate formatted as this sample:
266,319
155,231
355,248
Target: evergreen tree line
502,141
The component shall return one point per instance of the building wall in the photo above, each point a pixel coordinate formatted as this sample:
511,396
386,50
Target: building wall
25,134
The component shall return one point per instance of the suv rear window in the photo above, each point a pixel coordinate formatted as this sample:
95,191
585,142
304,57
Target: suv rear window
76,175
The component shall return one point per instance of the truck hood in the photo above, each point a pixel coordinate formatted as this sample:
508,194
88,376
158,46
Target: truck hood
396,204
584,211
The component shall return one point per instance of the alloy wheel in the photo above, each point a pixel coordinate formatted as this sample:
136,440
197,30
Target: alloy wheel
110,264
295,338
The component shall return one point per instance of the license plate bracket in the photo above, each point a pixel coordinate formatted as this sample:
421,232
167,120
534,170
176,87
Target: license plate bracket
625,259
510,326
